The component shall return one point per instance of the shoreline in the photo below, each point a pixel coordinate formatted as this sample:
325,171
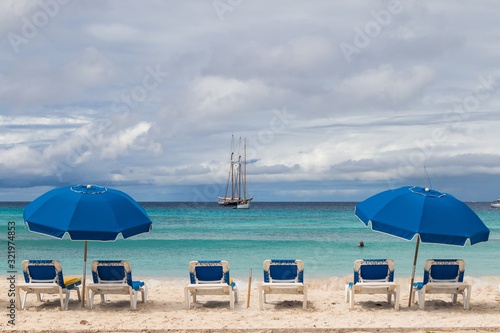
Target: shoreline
326,311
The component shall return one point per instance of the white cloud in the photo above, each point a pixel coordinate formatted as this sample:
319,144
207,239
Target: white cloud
129,138
90,69
385,86
219,97
113,32
12,12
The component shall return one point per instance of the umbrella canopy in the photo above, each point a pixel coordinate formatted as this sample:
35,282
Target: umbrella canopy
86,213
435,217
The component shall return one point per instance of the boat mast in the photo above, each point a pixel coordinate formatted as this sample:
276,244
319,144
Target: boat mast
239,172
232,169
245,175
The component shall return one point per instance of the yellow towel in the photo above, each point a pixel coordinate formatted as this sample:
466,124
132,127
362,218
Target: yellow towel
68,281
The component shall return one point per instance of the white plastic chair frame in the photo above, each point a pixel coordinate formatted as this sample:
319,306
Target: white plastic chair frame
218,287
39,287
114,287
294,286
450,286
381,286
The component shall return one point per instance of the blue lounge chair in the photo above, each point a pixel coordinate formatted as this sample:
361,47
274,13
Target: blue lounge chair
283,277
210,278
46,276
373,276
443,276
115,277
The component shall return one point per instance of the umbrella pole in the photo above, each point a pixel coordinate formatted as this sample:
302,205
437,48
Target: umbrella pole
413,272
84,274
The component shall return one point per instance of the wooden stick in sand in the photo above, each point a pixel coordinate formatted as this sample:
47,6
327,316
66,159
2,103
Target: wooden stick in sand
249,285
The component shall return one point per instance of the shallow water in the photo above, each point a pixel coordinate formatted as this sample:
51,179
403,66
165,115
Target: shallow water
324,235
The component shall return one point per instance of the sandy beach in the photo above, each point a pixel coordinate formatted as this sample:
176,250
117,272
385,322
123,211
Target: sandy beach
326,311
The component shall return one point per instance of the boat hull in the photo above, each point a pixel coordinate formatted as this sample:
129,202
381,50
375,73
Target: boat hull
228,202
243,206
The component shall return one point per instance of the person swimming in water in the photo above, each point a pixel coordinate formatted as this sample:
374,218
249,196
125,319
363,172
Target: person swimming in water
361,244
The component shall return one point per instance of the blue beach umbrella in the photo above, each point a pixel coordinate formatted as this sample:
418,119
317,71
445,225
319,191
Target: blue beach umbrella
433,216
86,213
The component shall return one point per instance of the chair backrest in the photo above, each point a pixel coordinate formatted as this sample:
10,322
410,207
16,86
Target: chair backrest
374,270
43,271
283,271
444,270
111,271
209,271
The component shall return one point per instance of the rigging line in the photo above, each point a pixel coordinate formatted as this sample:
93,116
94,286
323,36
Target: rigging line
426,177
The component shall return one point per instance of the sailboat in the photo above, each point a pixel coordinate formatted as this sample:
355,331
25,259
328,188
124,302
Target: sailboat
233,193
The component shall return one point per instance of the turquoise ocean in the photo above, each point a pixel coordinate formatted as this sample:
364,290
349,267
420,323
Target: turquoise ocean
323,234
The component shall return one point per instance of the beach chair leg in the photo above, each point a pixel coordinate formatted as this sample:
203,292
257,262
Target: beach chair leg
24,299
145,293
66,300
231,299
78,293
351,299
39,297
187,298
466,296
421,298
91,299
103,298
62,298
261,299
133,298
412,295
136,294
304,301
237,295
23,304
454,298
346,294
389,298
88,292
396,298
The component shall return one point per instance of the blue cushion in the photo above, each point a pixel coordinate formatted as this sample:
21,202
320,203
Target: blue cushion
418,285
111,273
444,272
42,272
374,272
283,272
136,285
209,273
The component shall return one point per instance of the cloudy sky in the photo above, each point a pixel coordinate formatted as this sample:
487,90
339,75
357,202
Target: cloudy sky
338,100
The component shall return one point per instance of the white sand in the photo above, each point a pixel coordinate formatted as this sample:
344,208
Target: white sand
326,311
